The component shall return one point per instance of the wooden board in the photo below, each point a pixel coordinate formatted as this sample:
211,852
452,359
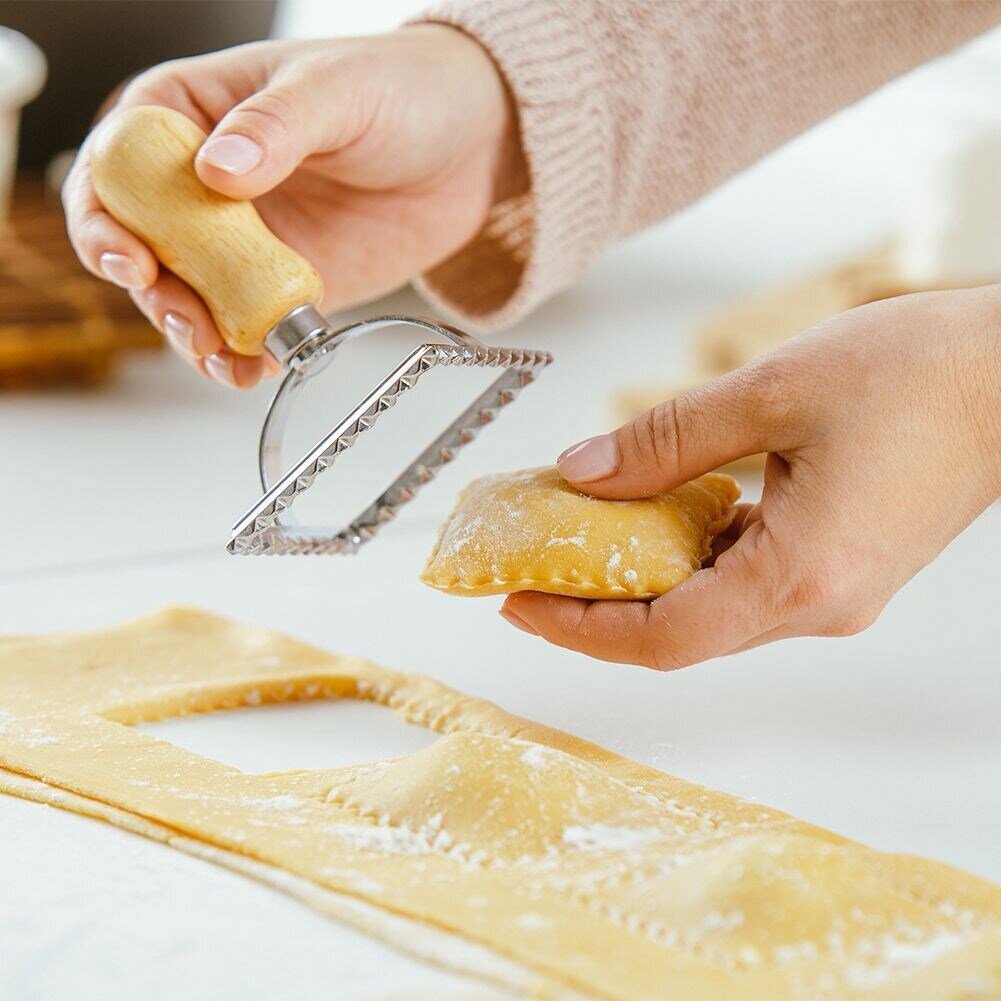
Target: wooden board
59,326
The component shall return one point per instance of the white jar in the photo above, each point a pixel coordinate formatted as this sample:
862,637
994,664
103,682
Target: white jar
22,76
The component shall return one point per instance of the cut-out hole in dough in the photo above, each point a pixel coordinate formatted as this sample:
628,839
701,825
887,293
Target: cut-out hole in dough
330,733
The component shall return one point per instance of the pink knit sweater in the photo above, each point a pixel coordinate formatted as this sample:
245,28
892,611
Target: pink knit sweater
631,109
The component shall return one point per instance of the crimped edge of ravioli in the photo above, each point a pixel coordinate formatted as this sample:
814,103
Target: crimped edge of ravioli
582,588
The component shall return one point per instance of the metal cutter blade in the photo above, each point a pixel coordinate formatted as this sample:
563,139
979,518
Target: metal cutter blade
268,529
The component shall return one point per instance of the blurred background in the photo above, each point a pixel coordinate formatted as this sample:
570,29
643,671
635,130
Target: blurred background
908,173
58,327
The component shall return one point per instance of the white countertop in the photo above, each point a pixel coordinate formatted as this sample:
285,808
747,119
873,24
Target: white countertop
117,502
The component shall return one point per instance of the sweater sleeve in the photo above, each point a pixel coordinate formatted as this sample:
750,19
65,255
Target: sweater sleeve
631,109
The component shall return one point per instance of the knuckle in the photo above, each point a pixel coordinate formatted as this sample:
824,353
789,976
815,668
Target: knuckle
824,589
347,60
89,231
803,595
313,66
655,438
272,111
145,85
581,622
153,302
759,560
785,592
87,240
659,646
161,82
851,623
769,396
819,591
562,625
665,659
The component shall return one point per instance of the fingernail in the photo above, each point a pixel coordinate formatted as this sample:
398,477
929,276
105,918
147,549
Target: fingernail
234,153
121,270
220,370
180,332
518,622
594,459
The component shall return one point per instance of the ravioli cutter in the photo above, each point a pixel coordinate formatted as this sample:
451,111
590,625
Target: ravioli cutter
263,296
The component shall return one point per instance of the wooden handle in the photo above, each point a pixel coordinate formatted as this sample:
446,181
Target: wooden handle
142,163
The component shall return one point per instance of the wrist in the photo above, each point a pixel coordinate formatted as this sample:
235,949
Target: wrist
511,177
508,166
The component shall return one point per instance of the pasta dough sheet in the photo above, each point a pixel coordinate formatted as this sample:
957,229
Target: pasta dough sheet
532,531
507,849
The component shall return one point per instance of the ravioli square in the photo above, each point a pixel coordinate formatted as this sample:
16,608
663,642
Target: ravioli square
533,531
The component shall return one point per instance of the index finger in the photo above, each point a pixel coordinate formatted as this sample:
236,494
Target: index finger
607,630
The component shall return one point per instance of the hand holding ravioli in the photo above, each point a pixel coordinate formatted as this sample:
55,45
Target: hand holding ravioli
883,428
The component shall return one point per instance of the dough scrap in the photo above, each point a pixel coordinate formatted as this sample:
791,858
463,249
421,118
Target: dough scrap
532,531
517,852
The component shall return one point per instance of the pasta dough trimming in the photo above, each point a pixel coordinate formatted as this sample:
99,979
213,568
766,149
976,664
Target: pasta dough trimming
524,854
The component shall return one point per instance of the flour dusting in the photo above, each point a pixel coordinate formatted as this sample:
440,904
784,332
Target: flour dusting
394,840
894,957
537,756
608,837
579,540
280,804
38,737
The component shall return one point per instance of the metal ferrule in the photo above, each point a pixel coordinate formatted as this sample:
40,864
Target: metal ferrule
289,339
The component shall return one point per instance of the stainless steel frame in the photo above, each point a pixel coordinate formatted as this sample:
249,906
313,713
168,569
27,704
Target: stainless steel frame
305,344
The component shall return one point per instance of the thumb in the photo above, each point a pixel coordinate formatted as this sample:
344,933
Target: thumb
748,411
264,138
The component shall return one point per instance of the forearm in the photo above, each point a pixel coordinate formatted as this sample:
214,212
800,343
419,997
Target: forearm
630,110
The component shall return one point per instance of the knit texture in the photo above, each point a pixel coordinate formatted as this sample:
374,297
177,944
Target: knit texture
631,109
